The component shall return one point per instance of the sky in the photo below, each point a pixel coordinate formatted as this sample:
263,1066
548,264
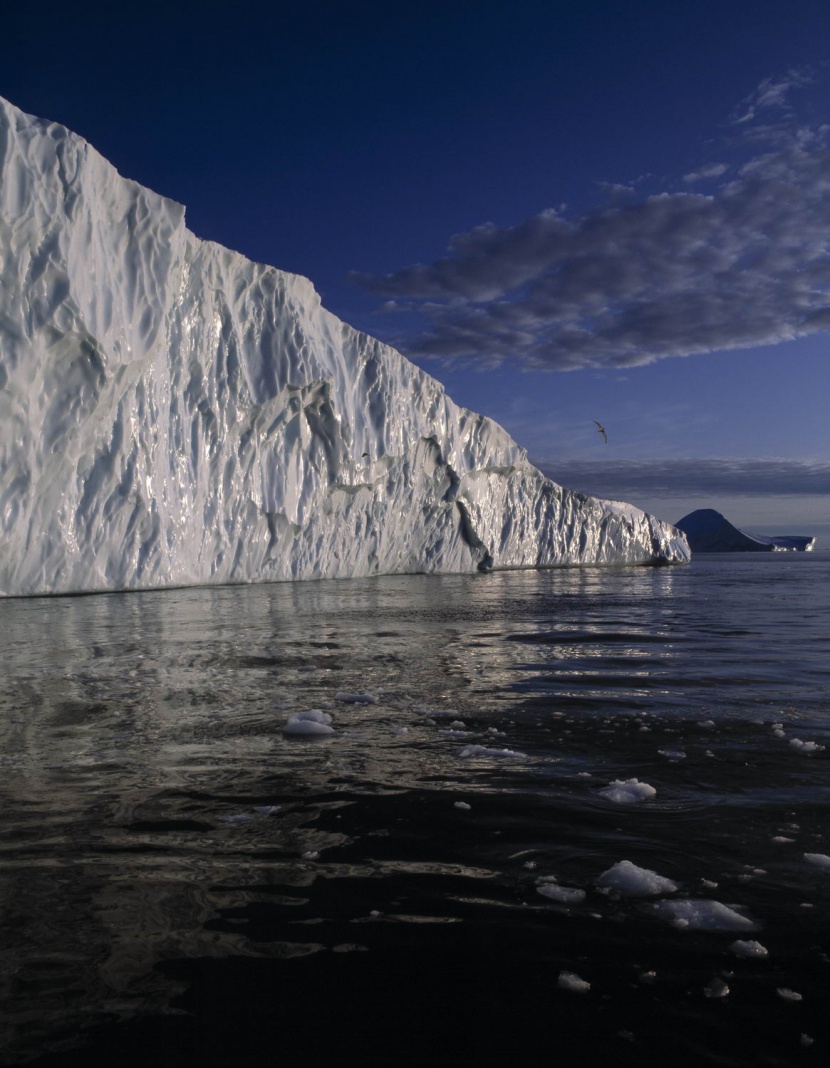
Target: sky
611,210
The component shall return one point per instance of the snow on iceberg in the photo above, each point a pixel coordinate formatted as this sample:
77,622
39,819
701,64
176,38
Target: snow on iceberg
174,414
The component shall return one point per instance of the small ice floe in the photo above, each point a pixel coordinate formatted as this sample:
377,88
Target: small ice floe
486,751
749,950
563,895
708,884
788,995
647,978
314,721
782,839
267,810
806,1040
672,754
706,724
401,730
716,988
627,879
449,733
821,860
462,805
584,775
703,915
571,981
627,792
356,698
311,854
805,747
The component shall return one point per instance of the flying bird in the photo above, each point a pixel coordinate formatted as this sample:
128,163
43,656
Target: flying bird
601,430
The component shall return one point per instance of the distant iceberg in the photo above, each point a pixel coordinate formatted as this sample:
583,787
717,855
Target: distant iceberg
174,414
710,532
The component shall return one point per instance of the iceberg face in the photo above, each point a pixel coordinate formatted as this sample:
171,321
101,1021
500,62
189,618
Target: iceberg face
173,414
710,532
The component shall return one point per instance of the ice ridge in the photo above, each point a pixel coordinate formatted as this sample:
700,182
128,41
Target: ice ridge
172,413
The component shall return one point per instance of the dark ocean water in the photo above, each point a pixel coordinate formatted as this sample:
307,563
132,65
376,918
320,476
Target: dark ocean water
182,883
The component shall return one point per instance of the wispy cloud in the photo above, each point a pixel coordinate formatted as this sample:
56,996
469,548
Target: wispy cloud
745,261
689,478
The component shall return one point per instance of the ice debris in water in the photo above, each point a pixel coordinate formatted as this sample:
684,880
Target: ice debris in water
672,754
703,915
788,995
462,805
805,747
627,792
314,721
564,895
571,981
629,880
749,949
356,698
821,860
486,751
716,988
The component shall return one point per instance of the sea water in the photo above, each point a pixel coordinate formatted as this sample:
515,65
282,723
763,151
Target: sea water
575,815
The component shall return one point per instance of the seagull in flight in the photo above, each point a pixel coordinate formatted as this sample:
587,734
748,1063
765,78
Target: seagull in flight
601,430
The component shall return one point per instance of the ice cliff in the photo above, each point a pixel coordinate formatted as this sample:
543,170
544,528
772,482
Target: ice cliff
173,414
710,532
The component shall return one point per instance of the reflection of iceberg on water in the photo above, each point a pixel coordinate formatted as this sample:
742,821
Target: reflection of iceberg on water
710,532
173,414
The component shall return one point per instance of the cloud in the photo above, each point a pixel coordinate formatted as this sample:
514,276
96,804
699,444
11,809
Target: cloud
706,172
673,274
771,93
690,478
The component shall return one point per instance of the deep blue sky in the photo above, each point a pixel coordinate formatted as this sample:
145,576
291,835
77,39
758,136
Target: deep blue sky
335,137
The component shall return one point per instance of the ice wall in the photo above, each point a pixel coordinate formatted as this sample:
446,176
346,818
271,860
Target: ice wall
174,414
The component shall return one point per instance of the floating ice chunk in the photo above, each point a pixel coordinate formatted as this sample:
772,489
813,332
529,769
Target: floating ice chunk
462,805
627,792
571,981
806,1040
356,698
821,860
631,881
486,751
314,721
267,810
706,724
564,895
672,754
782,839
716,988
454,734
805,747
788,995
311,854
703,915
750,950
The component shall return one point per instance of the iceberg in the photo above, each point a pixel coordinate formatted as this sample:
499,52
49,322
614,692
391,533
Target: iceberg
174,414
710,532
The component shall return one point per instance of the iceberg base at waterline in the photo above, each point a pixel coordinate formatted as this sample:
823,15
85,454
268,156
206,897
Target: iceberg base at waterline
175,414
